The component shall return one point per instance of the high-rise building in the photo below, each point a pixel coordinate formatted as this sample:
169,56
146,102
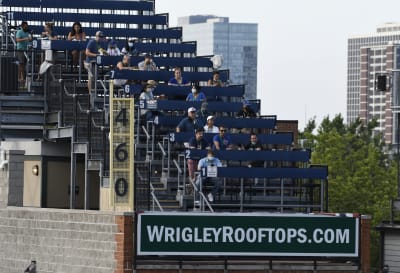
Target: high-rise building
369,55
236,42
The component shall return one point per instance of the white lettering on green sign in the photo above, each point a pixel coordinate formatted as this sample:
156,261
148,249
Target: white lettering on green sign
228,234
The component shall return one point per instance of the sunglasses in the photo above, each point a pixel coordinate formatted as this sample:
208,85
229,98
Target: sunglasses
223,130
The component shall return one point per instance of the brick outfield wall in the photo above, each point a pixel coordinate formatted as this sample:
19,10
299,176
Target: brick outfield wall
61,241
72,241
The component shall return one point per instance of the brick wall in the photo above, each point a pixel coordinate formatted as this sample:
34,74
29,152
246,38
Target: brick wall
61,241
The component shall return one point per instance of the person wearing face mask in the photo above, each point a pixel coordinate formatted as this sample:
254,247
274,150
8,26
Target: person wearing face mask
196,95
147,94
130,48
209,161
22,37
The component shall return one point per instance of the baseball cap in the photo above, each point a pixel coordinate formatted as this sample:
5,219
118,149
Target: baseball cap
191,109
210,117
100,33
151,83
148,55
246,103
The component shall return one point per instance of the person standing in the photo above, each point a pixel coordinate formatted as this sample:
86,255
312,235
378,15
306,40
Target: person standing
94,48
22,37
199,143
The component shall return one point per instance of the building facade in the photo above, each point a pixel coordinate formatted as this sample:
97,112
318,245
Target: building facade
236,42
368,56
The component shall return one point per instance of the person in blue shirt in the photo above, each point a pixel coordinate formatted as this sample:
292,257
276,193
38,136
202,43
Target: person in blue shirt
209,161
94,48
178,80
222,141
196,95
22,37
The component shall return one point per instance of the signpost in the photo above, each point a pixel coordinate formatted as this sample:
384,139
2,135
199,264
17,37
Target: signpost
226,234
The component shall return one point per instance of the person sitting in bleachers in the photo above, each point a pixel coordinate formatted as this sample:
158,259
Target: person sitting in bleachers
147,94
210,127
215,81
203,112
122,65
94,48
148,64
222,141
254,145
178,80
130,48
189,123
246,111
197,142
209,161
196,95
76,34
112,49
48,32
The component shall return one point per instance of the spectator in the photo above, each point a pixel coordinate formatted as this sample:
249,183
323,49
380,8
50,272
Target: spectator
190,123
196,95
209,161
203,113
76,34
246,111
178,80
215,81
210,127
197,142
48,32
147,64
124,64
130,48
222,141
94,48
112,49
22,37
254,145
147,94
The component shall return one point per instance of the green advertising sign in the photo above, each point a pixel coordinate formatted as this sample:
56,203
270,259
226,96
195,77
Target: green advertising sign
249,234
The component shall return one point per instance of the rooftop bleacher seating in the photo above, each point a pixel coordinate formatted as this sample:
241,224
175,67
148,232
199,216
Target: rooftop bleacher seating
237,139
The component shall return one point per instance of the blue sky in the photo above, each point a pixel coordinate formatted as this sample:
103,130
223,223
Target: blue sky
302,47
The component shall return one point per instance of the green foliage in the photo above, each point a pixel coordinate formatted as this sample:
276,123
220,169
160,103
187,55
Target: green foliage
362,178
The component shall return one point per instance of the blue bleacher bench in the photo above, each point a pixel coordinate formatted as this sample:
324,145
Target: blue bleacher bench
79,4
87,17
179,105
172,91
171,33
238,139
141,47
295,173
165,75
235,155
160,61
256,123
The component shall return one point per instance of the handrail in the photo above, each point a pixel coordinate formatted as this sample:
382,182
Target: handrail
177,166
145,132
162,149
155,200
203,197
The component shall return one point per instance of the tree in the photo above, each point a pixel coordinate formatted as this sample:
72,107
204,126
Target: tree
362,178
